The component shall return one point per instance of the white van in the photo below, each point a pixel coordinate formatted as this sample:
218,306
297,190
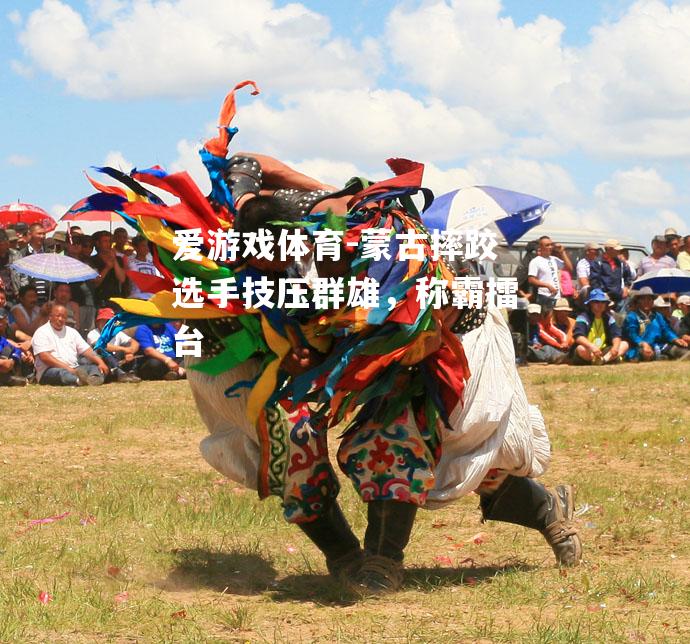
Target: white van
574,240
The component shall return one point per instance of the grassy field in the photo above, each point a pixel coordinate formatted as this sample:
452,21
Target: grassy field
147,543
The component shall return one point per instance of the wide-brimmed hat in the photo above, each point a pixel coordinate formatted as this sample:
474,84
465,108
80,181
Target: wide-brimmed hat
562,304
597,295
645,290
683,299
534,308
661,303
592,246
613,243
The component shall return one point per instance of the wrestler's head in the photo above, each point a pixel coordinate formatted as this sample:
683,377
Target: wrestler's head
258,213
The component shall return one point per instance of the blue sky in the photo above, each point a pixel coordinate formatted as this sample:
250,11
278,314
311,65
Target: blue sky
586,104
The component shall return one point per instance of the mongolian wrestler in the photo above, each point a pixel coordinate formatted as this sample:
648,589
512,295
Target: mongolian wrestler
496,444
397,377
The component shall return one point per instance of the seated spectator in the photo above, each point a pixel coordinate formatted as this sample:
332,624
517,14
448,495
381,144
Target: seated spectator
141,262
157,343
62,294
597,336
563,321
658,259
683,303
544,339
62,356
28,315
663,307
684,255
11,357
648,332
120,351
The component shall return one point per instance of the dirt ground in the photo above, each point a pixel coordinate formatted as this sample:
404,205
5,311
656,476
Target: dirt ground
139,540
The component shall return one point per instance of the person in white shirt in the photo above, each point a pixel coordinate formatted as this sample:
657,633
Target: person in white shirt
544,272
120,352
141,262
62,356
584,267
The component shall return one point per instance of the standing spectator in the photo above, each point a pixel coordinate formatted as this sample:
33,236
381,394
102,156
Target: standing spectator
62,356
121,244
12,238
141,262
11,356
658,259
624,256
112,280
35,244
28,315
673,241
649,334
7,257
610,274
544,272
157,342
62,294
22,231
597,336
584,269
120,351
80,247
684,255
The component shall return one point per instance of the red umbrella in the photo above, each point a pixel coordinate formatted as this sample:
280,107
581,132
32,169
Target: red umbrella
25,213
80,212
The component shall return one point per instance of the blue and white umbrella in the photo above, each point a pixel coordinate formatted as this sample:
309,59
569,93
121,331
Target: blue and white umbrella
54,268
665,280
510,214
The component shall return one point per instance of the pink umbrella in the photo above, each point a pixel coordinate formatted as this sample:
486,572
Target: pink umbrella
25,213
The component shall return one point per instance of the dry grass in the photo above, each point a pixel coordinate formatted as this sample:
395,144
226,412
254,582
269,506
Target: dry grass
202,560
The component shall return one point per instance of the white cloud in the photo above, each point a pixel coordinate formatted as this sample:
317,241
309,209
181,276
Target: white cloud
20,160
115,159
178,48
468,55
15,17
637,187
331,172
58,210
188,159
626,92
366,127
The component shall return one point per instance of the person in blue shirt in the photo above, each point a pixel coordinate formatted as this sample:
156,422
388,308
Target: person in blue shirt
610,274
597,336
649,334
157,344
11,357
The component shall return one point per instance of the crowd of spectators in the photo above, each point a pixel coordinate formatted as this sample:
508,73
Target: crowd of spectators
601,318
49,331
587,313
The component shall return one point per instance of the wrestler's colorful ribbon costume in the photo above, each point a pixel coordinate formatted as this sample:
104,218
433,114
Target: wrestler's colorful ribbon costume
384,379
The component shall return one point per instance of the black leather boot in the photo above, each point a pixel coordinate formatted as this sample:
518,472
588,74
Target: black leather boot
332,535
388,532
528,503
